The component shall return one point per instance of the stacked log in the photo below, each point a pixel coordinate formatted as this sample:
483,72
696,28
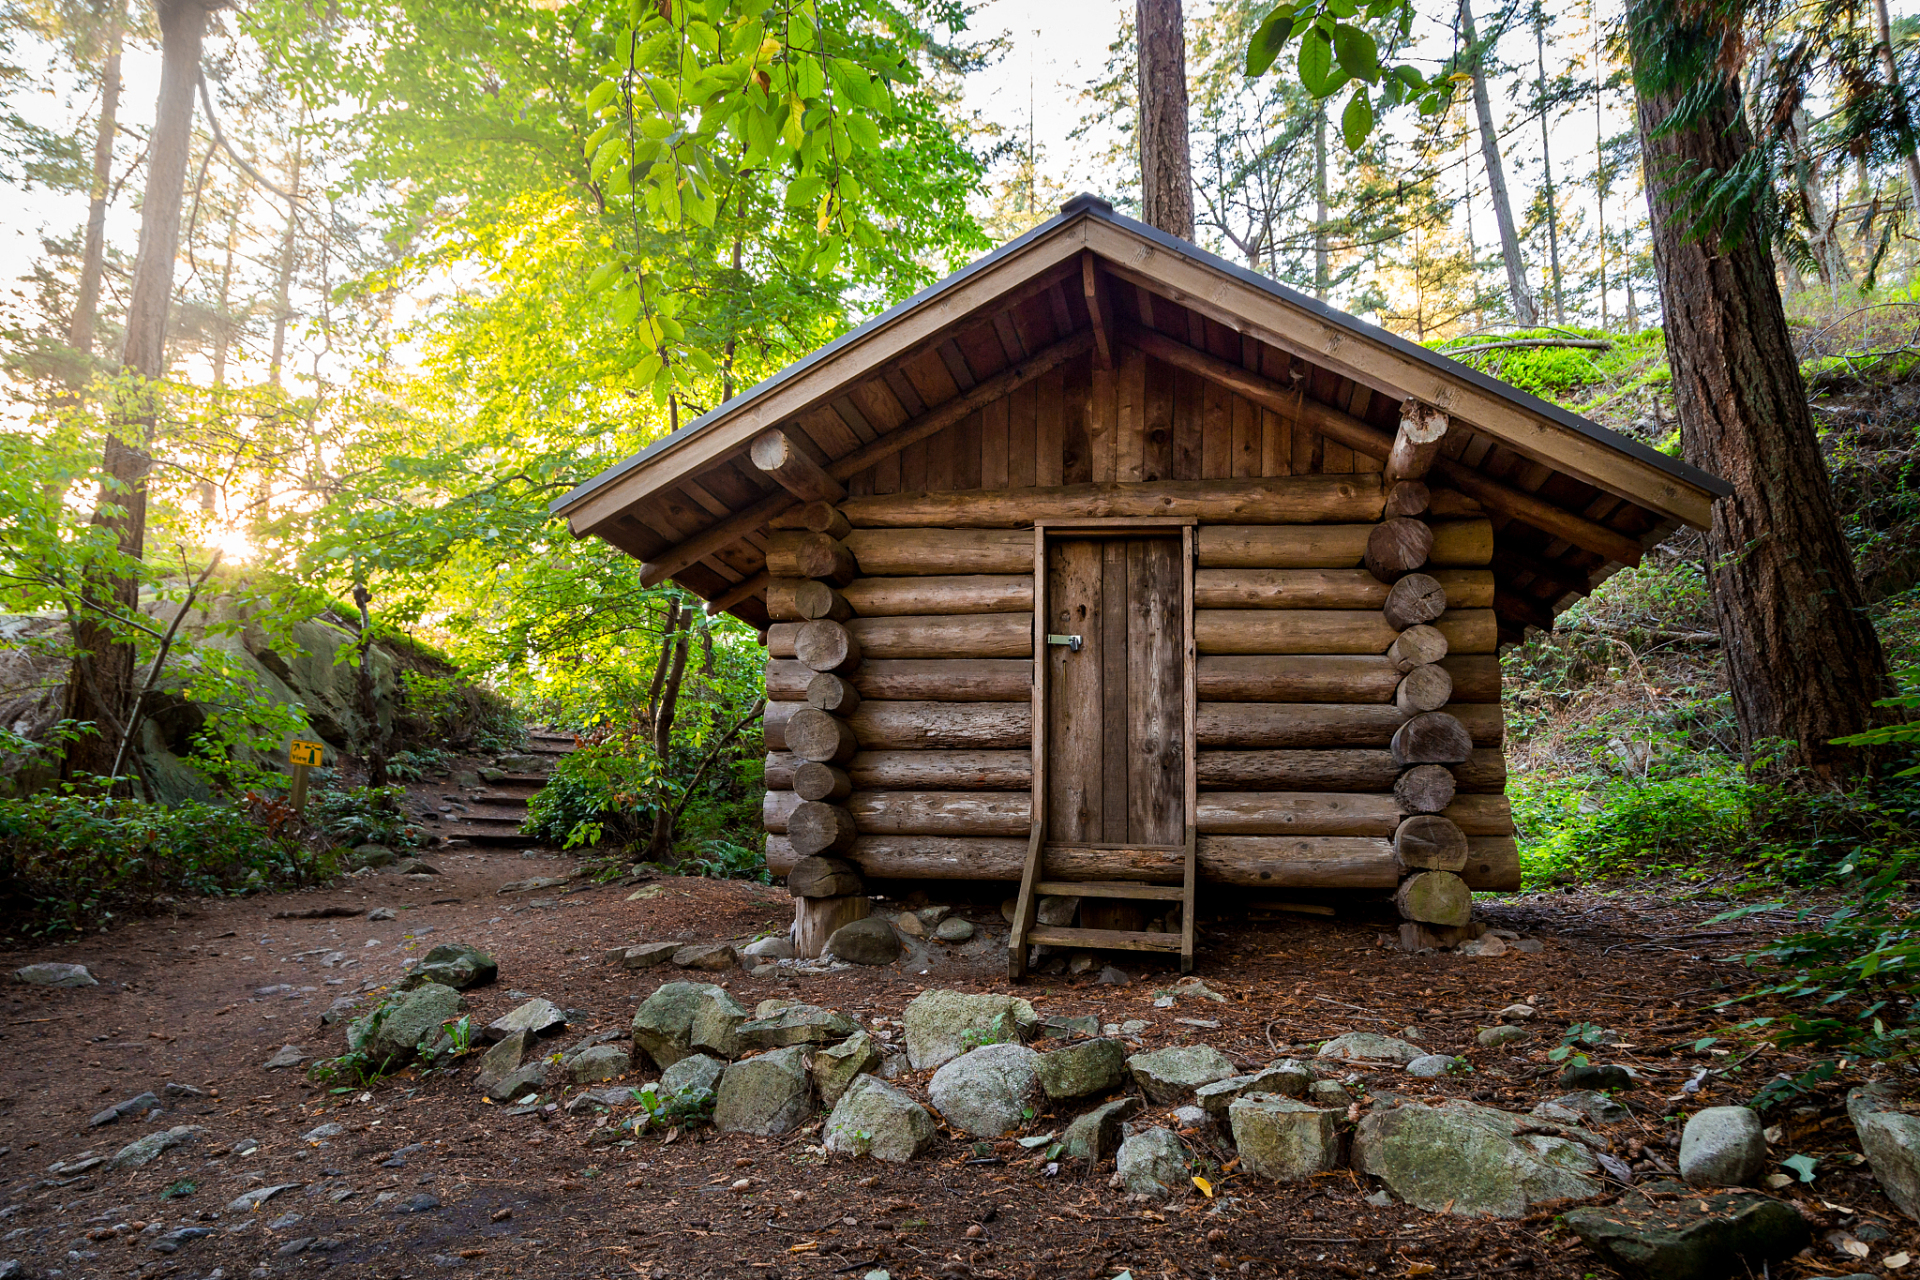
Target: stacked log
809,566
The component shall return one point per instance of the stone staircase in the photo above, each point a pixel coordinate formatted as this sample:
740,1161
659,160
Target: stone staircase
495,813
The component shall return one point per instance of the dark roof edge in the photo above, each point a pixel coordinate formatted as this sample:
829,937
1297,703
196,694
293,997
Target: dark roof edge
1089,206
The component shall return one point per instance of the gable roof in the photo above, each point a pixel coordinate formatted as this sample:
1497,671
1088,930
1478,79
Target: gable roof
1007,317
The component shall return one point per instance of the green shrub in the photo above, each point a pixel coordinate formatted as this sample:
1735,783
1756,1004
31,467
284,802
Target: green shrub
1685,825
362,815
71,861
594,795
724,860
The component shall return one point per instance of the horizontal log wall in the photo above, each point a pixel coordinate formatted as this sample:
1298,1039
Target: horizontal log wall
1299,694
1270,862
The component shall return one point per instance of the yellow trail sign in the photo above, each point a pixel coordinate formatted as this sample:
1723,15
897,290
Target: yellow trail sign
306,753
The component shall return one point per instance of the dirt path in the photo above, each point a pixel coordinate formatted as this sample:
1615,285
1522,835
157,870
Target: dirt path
422,1176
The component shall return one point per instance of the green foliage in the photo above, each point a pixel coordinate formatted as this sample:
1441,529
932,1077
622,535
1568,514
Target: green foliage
1903,734
362,815
1335,50
684,1107
1580,1033
1680,826
724,860
593,795
72,861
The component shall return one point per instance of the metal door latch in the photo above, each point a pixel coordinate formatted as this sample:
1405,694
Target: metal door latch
1072,642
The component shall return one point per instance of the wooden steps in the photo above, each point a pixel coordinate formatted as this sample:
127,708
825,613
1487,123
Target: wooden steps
498,813
1028,933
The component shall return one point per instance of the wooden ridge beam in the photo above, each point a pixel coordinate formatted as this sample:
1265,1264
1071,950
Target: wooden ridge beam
1350,431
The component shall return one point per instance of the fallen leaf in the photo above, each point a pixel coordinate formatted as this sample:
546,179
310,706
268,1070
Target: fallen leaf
1206,1188
1779,1180
1421,1268
1858,1248
1895,1261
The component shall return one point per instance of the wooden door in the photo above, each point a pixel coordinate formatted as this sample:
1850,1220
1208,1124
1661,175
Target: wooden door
1116,707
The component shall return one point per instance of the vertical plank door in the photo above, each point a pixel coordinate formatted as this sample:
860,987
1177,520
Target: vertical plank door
1115,708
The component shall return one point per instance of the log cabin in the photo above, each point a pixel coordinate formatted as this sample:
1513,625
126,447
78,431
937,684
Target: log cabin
1107,568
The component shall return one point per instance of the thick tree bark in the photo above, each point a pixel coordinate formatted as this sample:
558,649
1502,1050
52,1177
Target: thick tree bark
1803,660
1166,180
668,674
100,688
86,305
1525,312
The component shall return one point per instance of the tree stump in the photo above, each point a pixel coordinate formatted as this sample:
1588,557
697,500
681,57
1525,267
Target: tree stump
817,919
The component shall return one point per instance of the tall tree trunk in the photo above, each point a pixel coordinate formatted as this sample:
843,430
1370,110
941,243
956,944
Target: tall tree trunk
1829,255
93,261
1803,660
1600,183
100,686
1166,177
1524,311
1903,117
283,286
1546,165
376,742
1321,276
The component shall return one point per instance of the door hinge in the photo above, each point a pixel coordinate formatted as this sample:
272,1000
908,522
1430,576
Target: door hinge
1072,642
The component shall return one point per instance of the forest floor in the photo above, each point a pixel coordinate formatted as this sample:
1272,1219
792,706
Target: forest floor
207,997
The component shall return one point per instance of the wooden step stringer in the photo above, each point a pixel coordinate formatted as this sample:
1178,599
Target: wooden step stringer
1027,932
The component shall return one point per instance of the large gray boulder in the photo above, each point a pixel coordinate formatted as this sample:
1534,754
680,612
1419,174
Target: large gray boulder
767,1096
1701,1236
663,1024
796,1024
871,941
689,1085
144,1151
1096,1135
415,1019
716,1029
1152,1163
1284,1140
875,1119
1891,1139
1722,1147
836,1067
989,1092
1369,1046
942,1025
1467,1160
599,1062
1170,1076
1084,1069
1287,1077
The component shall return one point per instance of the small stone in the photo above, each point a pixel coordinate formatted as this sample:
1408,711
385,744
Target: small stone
1328,1093
134,1106
1497,1037
422,1203
1081,1070
1595,1075
1381,1199
253,1199
600,1062
872,1118
988,1092
1169,1076
870,941
1485,945
1080,963
1435,1066
1891,1140
373,855
909,923
1112,977
415,867
1283,1140
542,1017
954,930
797,1024
1703,1236
456,965
769,1096
711,957
502,1061
1517,1012
383,913
49,974
1527,946
418,1018
691,1082
1597,1107
836,1067
144,1151
177,1091
646,955
1286,1077
1152,1163
1369,1046
1096,1135
663,1024
774,947
290,1055
1465,1159
321,1132
942,1025
1722,1147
